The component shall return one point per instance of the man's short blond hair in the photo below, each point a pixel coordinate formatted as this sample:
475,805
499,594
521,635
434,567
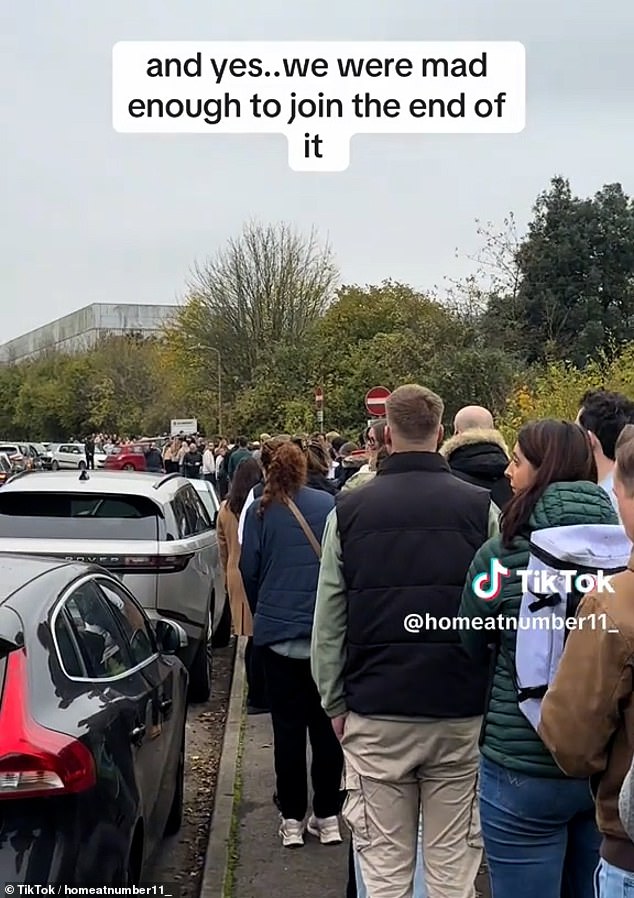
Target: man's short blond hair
414,413
625,458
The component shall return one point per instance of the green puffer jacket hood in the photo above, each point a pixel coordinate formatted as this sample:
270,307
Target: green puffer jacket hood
508,738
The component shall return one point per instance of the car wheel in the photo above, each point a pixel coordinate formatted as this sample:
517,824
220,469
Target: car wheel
54,465
175,818
200,672
222,635
128,467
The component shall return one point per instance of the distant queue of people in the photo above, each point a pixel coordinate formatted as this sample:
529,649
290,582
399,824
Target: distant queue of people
443,765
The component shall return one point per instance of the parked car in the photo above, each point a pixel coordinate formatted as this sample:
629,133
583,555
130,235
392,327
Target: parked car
126,458
211,502
6,469
36,452
19,455
153,531
92,726
68,456
208,494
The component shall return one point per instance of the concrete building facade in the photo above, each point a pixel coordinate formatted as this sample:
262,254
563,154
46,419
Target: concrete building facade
81,330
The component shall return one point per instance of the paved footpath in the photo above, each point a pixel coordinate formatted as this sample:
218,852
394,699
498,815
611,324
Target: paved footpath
265,869
245,858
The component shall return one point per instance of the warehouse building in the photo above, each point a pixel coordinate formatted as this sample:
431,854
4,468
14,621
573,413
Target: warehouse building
81,330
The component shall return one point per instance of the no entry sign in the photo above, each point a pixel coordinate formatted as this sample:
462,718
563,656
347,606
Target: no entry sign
375,400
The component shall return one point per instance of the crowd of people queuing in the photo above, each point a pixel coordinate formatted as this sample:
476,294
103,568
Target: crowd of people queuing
420,741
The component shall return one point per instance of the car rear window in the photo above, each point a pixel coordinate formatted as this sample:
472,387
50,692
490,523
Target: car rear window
77,516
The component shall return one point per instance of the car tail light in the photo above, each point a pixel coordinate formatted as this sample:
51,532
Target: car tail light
147,564
35,761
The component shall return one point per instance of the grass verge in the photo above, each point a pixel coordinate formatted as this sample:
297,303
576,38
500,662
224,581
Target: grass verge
233,848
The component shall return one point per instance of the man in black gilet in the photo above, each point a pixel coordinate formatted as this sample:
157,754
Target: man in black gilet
403,695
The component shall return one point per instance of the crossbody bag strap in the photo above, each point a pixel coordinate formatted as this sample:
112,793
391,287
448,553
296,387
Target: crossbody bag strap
303,523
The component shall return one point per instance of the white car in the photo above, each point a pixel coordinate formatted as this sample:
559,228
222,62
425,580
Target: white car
151,530
209,496
71,456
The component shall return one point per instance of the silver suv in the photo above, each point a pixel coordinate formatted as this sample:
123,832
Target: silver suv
152,530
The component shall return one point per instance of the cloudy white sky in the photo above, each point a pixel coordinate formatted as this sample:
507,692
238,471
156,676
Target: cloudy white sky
90,215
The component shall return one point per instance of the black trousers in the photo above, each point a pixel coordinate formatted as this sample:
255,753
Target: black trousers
295,709
257,693
351,888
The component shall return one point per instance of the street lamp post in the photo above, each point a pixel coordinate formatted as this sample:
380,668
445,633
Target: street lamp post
217,351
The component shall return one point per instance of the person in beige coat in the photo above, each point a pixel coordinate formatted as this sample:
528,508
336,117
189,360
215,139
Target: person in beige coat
248,474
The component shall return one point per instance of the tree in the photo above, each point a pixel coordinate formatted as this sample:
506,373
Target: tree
265,288
555,391
496,277
577,264
475,375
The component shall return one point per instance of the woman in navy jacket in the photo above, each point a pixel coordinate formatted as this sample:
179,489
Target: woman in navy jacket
280,568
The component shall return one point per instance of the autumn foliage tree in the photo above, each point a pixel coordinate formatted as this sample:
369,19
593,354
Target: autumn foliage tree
543,317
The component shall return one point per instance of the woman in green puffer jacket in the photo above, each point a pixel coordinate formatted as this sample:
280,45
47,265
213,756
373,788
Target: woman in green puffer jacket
538,825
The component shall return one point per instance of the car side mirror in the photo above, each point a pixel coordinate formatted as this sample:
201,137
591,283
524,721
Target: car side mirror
170,636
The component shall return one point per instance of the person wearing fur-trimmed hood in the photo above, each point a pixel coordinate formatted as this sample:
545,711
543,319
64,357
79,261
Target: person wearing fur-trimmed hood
478,453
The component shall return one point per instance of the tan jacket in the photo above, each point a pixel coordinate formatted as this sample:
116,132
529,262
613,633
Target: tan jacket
229,550
587,717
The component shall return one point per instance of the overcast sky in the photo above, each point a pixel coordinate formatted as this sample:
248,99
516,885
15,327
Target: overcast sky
94,216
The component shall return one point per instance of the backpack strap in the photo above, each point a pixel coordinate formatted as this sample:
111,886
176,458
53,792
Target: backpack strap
303,523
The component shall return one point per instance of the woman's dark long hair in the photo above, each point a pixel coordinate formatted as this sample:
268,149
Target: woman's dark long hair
247,474
285,475
560,452
317,459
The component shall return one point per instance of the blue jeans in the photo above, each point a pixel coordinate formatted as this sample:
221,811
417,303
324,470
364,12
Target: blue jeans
611,882
540,835
419,876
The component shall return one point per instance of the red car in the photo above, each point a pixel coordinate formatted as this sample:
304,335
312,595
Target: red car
126,458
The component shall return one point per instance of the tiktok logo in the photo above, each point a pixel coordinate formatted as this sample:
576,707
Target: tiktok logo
488,585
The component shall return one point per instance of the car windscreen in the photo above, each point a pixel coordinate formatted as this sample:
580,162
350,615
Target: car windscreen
67,515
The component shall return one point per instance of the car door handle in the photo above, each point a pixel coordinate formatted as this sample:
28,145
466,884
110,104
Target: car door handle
166,704
137,734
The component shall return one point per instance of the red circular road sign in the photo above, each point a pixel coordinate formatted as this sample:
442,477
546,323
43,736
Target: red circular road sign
319,394
375,400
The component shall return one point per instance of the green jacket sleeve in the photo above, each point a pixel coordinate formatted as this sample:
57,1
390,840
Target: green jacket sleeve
478,614
328,648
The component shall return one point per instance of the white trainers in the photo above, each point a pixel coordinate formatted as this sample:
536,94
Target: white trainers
292,833
326,829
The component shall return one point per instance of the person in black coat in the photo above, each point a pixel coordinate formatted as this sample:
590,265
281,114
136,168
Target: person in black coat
192,462
154,459
478,454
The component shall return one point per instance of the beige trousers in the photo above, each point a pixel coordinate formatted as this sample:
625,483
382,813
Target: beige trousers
393,772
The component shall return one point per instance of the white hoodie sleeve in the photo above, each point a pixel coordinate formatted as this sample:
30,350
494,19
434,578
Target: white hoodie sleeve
243,514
